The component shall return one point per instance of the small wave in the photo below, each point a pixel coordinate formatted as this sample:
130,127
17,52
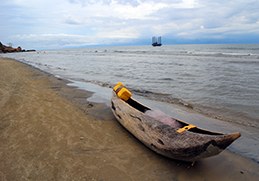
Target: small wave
185,104
221,54
102,84
132,52
226,118
241,48
244,62
166,79
59,68
161,97
238,54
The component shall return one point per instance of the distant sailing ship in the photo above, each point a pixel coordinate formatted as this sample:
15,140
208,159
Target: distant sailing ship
156,42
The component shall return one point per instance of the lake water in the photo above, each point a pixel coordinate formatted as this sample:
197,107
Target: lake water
212,86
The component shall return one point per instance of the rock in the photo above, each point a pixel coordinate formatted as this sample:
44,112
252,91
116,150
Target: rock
19,49
10,49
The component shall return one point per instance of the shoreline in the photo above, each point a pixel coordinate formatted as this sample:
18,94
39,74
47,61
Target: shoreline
48,130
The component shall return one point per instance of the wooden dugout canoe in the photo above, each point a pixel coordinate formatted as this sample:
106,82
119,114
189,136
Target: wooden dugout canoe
188,143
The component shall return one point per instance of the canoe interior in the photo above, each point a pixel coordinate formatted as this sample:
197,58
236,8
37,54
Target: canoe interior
142,108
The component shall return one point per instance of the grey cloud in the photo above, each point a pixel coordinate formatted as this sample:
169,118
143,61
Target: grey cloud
122,2
63,21
72,21
106,2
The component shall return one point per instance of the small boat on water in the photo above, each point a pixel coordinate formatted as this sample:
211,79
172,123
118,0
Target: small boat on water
163,134
156,42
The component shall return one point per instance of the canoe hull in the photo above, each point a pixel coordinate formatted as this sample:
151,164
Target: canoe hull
164,139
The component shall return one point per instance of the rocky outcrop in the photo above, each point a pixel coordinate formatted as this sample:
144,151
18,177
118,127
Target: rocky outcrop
10,49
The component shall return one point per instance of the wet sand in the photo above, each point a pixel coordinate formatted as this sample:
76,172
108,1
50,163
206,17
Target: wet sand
48,131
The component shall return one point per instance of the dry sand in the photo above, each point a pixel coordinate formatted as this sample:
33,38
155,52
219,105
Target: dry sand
48,131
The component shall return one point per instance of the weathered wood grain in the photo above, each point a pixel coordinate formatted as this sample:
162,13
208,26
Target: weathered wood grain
191,145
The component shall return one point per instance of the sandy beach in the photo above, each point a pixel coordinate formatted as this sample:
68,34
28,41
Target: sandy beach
49,131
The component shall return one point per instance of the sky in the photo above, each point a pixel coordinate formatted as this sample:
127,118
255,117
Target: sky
55,24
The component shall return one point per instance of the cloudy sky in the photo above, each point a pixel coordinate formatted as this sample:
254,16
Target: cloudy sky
50,24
